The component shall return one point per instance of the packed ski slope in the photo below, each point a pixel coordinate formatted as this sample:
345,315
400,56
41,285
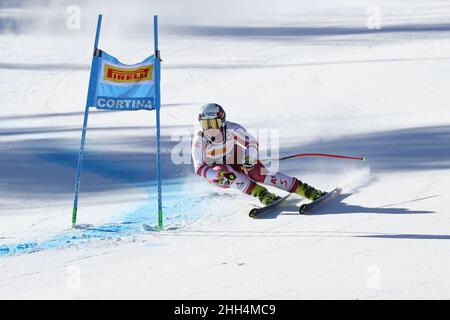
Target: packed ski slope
313,75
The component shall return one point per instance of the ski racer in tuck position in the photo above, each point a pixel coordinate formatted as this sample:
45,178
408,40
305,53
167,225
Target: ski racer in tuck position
226,155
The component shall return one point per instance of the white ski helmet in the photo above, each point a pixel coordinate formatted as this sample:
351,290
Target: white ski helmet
211,116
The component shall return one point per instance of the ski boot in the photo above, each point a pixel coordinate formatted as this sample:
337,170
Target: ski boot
264,195
309,192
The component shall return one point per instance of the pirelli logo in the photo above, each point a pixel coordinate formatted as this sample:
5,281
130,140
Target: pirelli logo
122,75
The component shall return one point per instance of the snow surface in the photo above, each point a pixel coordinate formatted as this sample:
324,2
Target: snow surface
311,71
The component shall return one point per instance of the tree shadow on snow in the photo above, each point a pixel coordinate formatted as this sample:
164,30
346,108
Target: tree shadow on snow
243,31
337,206
308,32
32,116
412,149
40,163
407,236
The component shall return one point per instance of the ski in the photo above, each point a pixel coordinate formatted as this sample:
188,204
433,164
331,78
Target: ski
304,208
257,212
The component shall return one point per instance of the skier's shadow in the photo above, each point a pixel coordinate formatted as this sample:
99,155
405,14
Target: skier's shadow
336,206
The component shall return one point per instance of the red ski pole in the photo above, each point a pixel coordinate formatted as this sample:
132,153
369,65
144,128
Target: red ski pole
318,155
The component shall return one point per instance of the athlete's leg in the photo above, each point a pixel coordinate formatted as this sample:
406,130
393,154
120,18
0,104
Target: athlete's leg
259,173
239,180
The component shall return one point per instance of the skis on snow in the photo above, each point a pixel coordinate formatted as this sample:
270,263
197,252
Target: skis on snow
305,208
257,212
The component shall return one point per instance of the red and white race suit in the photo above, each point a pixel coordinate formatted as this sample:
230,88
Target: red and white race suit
211,158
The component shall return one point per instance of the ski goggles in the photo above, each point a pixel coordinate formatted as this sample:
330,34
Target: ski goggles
211,123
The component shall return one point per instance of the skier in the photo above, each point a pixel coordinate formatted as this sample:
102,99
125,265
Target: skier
227,155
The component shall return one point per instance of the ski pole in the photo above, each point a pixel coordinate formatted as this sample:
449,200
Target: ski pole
317,155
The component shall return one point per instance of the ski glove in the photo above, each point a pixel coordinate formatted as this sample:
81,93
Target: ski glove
224,178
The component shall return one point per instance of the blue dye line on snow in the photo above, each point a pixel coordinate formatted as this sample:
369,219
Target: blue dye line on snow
65,239
179,206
